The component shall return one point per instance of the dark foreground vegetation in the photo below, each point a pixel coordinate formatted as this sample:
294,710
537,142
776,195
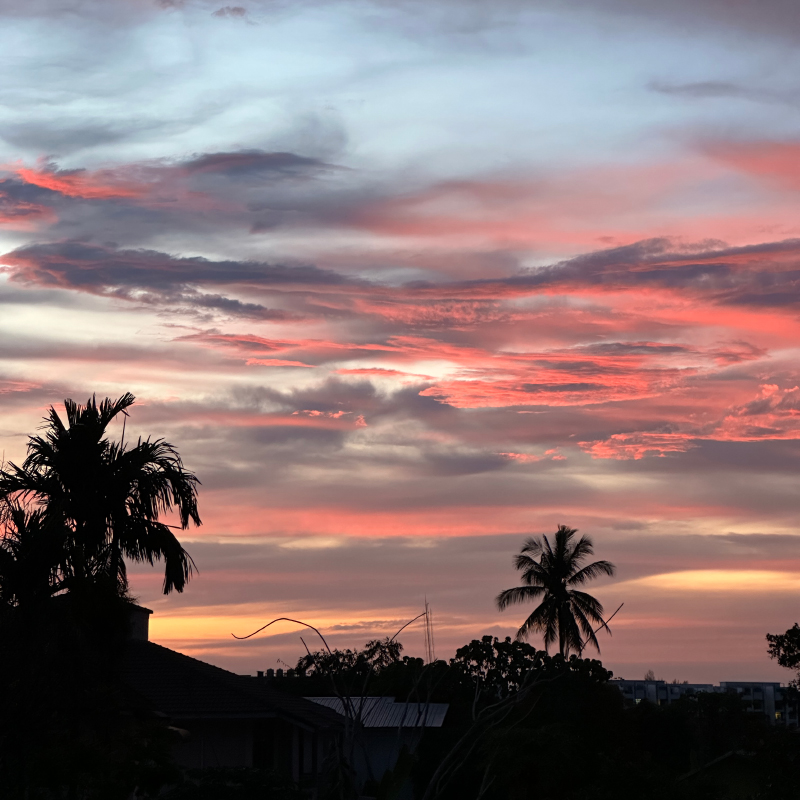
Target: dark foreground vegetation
571,736
70,514
522,724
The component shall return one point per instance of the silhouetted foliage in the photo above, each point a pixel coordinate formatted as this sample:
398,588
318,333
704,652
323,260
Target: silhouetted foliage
31,553
785,648
69,516
570,735
551,574
574,739
500,668
376,656
347,673
98,502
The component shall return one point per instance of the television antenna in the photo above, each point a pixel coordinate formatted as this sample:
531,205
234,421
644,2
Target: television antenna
430,650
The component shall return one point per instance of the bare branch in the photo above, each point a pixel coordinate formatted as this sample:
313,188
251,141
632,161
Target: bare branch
285,619
419,616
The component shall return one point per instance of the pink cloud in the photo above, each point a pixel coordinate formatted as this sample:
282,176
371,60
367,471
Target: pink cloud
776,162
773,415
89,185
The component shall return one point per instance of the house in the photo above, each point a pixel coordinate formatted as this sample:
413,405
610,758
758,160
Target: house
229,720
384,729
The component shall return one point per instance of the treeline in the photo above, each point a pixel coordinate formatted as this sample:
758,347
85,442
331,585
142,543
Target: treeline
572,736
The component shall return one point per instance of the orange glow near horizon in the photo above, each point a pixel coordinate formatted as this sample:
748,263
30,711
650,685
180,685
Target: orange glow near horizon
700,581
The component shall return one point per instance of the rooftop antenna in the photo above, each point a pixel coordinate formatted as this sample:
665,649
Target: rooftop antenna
430,650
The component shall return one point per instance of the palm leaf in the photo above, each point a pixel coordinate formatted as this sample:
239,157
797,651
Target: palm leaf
591,571
519,594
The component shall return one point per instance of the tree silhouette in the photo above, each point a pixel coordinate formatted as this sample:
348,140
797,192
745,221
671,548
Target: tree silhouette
564,613
785,648
98,501
30,557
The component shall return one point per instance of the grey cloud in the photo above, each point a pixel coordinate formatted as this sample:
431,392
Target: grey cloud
231,11
708,90
715,272
235,190
39,135
268,434
356,397
634,348
19,191
773,18
104,268
198,302
331,395
475,19
702,89
563,387
253,163
470,19
454,463
62,139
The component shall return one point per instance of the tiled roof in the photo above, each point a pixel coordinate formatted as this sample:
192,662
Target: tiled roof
184,688
384,712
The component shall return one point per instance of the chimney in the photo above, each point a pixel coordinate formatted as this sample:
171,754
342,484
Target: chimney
139,623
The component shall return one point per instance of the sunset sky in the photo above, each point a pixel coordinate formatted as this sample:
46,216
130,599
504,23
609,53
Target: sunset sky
407,282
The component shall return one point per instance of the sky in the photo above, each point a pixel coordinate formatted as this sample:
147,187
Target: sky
408,282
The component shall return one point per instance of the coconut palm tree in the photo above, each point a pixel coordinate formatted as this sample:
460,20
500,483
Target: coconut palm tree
108,496
551,574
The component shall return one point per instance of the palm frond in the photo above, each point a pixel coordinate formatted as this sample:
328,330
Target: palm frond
537,575
583,548
149,541
532,546
111,408
587,635
543,619
523,561
592,571
569,634
519,594
589,605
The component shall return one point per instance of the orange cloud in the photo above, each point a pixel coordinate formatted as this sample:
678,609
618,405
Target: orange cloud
97,185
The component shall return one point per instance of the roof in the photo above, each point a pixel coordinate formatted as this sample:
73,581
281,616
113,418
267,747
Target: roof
384,712
185,688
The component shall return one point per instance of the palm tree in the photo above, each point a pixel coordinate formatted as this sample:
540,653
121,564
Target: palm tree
30,558
564,613
109,497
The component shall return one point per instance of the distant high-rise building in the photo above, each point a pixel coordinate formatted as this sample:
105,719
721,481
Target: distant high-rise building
767,698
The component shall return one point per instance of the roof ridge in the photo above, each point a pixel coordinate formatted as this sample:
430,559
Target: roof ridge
244,686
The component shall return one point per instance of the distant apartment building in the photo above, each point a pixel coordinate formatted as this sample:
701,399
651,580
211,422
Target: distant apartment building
770,699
